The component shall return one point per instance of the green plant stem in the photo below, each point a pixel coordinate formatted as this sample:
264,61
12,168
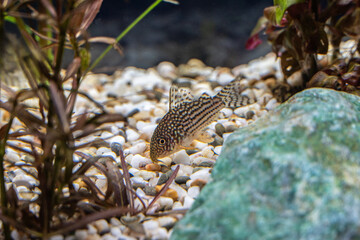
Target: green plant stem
136,21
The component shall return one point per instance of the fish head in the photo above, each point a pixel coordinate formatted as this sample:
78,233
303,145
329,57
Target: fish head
161,144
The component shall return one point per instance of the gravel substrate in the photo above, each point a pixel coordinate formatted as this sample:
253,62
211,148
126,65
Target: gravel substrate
142,96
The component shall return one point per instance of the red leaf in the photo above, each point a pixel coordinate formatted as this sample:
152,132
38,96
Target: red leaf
253,42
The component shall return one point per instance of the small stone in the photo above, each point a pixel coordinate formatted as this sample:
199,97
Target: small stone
153,167
230,128
217,150
132,135
139,161
188,202
198,182
138,148
116,148
219,129
194,191
108,236
117,139
209,163
182,179
201,174
166,222
164,177
91,229
115,222
102,226
165,203
208,152
115,231
146,175
150,225
249,114
181,157
149,190
57,237
271,104
81,234
171,193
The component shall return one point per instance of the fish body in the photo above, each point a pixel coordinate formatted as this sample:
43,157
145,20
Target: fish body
188,116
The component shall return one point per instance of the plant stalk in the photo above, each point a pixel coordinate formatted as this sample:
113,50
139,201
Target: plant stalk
136,21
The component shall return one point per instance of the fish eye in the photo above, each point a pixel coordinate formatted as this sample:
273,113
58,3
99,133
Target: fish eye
161,141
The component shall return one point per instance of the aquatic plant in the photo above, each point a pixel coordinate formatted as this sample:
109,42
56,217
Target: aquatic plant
302,30
51,135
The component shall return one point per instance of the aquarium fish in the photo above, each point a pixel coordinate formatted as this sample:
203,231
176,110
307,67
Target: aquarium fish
188,116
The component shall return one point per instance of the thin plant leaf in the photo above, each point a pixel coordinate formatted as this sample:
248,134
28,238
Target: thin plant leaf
164,188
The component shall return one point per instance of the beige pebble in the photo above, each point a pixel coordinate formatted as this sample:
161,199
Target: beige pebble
153,167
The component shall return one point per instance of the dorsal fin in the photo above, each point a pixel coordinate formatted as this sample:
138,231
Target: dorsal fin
178,96
236,95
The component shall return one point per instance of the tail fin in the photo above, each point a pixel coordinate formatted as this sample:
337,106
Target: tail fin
236,94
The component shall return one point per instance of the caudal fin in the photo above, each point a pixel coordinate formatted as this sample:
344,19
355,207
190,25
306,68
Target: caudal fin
236,94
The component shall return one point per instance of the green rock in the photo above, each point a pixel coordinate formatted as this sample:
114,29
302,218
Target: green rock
293,174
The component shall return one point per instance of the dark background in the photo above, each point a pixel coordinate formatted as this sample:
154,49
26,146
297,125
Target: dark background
214,31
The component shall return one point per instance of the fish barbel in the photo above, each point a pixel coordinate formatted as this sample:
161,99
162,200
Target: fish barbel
188,116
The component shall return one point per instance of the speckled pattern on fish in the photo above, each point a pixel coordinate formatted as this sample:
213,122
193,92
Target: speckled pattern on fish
188,116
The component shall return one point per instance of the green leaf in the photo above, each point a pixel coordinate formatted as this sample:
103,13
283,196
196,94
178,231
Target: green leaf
282,5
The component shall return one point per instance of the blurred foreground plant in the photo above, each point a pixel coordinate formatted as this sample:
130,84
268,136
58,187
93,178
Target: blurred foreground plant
50,135
300,31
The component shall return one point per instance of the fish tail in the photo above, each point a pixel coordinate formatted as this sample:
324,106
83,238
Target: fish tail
236,94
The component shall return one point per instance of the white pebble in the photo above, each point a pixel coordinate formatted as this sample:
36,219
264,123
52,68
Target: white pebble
185,170
139,161
106,134
102,225
102,150
194,191
203,174
188,202
225,78
227,112
140,192
132,135
133,171
271,104
148,130
150,225
208,152
138,180
138,204
166,202
200,145
138,148
166,160
160,233
181,157
166,221
177,205
115,231
146,175
12,156
180,191
91,229
81,234
57,237
118,139
217,150
115,222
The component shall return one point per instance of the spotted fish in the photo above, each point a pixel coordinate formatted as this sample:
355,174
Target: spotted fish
188,116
